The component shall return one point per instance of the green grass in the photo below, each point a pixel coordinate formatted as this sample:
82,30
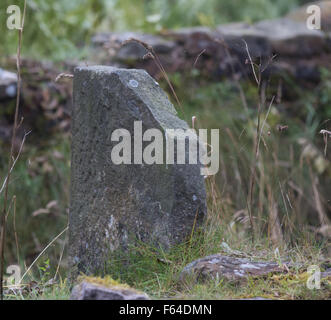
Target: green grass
156,272
284,160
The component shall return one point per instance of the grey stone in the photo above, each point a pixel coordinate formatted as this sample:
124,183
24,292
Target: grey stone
255,298
292,38
230,268
326,274
91,291
181,34
132,51
237,35
194,40
301,14
112,205
8,84
282,36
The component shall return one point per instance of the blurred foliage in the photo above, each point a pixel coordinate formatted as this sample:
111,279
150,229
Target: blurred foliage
57,29
40,183
53,29
325,94
184,13
285,157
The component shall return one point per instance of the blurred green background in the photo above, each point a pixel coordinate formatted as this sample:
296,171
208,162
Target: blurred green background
56,28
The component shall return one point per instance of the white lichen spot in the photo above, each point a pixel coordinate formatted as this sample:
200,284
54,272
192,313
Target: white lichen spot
11,91
194,197
107,233
133,83
248,266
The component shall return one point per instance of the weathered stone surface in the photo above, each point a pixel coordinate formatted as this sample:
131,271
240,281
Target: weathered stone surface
255,298
301,14
91,291
291,38
284,37
236,34
226,267
8,84
111,205
326,273
132,51
181,34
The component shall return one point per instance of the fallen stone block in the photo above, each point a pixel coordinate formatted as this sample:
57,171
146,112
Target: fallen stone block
87,290
230,268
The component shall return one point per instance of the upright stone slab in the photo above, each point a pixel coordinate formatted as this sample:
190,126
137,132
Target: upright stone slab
112,205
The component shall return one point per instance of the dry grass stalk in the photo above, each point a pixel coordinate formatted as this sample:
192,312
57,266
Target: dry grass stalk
63,76
197,58
326,134
274,228
15,232
41,253
11,155
322,216
152,55
256,142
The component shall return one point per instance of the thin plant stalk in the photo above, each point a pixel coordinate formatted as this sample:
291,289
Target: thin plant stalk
11,155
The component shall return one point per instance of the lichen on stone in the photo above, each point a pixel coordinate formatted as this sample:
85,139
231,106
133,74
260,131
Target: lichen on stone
107,281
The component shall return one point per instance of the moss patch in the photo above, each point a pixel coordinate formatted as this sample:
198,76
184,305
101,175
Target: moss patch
107,281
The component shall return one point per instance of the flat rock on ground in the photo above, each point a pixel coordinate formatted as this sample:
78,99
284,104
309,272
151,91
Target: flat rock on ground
227,267
326,273
91,291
